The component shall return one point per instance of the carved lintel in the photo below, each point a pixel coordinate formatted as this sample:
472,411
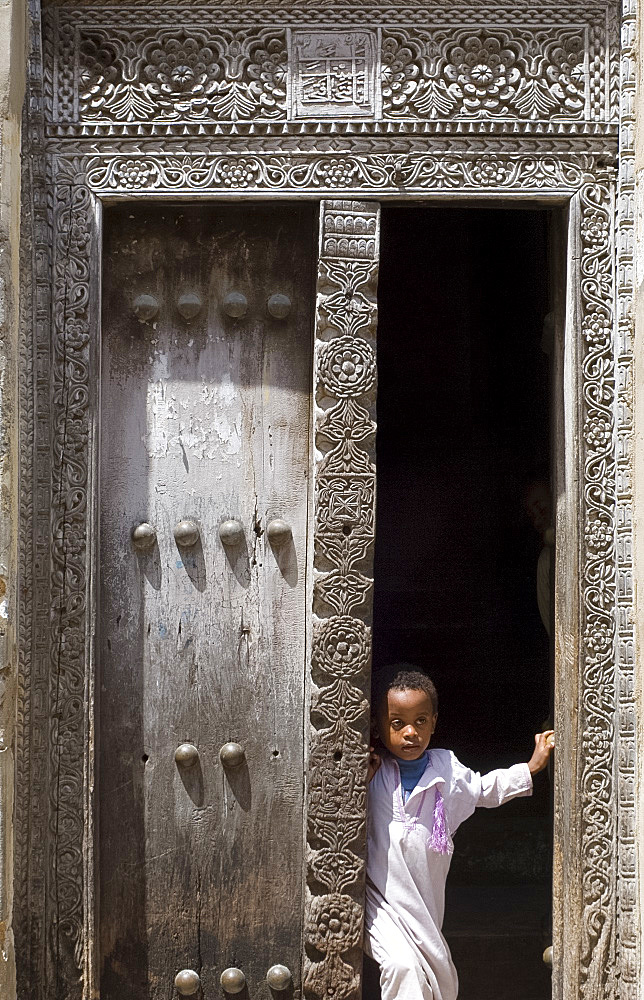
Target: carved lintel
204,69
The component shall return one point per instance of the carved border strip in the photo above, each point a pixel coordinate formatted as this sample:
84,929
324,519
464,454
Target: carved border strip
71,685
32,757
330,174
628,924
332,932
307,12
345,482
598,944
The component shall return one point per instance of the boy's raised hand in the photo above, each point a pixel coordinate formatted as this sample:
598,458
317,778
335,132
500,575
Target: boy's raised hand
374,763
544,744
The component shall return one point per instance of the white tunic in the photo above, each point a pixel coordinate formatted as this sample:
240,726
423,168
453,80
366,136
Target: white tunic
406,880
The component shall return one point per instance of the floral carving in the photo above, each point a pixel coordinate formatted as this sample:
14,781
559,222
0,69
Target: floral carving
133,175
239,172
489,170
597,329
595,229
482,74
297,172
336,172
334,923
598,535
97,74
348,367
400,72
598,433
335,870
182,74
487,73
598,638
342,646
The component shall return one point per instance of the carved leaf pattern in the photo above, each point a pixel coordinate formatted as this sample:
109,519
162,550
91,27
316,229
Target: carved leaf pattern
341,654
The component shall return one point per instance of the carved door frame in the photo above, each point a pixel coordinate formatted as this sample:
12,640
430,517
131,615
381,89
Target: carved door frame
75,166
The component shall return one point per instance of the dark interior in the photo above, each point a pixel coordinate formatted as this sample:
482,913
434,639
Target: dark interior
463,434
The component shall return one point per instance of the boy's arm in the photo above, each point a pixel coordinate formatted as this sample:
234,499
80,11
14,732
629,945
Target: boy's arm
543,746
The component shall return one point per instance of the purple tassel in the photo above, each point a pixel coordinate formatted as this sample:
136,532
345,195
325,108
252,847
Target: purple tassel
440,840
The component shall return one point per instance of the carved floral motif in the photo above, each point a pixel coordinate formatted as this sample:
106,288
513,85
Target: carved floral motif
484,73
481,73
181,74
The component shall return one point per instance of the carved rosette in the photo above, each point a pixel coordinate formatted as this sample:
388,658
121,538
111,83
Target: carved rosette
345,366
598,692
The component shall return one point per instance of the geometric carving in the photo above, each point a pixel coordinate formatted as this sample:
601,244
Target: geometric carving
345,373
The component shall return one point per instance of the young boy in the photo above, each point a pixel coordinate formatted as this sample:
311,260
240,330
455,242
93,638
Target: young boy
417,799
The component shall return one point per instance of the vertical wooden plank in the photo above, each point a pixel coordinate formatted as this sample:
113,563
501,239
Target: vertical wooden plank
206,413
345,373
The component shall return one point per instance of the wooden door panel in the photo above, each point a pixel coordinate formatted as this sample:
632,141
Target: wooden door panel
205,417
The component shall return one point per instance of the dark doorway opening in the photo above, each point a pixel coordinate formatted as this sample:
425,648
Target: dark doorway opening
463,434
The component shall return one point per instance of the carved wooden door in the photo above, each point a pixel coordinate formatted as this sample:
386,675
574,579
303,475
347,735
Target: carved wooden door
204,487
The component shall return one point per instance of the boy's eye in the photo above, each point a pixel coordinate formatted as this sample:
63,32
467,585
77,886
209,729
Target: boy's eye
396,724
421,721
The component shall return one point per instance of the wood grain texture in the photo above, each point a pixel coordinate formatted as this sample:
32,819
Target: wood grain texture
206,419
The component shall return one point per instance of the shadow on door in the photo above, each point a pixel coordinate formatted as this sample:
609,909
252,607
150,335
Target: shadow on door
463,467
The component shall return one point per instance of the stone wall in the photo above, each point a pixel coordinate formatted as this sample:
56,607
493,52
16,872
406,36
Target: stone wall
12,85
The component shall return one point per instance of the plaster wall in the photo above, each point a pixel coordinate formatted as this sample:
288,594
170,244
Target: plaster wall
12,86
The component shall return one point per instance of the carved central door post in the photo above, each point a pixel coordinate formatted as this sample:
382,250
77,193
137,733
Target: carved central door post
345,480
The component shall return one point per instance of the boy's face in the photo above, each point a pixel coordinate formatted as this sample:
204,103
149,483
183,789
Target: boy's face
406,722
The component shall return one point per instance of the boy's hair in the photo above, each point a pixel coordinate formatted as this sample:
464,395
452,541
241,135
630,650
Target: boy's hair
404,677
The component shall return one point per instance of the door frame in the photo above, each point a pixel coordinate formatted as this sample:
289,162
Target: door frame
72,172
